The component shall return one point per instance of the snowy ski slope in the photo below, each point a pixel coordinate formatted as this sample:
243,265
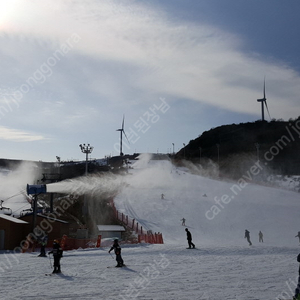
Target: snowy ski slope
223,266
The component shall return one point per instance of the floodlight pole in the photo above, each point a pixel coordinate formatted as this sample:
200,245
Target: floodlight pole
87,149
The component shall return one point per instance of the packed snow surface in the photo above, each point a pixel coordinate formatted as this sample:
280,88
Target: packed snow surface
223,265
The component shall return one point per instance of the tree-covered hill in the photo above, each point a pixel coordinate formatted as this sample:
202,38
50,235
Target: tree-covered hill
234,148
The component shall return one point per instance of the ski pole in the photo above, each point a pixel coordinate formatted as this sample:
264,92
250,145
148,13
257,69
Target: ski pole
111,255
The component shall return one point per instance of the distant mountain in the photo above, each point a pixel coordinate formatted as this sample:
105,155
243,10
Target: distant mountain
234,148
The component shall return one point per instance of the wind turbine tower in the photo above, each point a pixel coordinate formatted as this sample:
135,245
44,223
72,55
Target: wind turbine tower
264,103
121,136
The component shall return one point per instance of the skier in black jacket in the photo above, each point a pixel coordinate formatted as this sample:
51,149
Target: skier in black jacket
189,238
57,255
247,236
116,247
297,291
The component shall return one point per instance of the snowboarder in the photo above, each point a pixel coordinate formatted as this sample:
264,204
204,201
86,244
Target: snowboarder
116,247
247,236
298,235
297,290
183,221
162,196
261,237
57,255
189,238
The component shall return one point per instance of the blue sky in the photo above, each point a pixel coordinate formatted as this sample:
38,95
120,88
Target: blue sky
70,70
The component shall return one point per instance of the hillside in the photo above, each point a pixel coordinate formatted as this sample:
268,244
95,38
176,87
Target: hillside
218,212
234,147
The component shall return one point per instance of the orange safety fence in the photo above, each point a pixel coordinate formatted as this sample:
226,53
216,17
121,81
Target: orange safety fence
143,236
66,243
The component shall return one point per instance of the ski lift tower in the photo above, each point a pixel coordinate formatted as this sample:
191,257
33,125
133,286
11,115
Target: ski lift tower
35,190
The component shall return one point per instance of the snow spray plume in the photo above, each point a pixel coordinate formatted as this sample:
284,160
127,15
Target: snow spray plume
207,168
93,185
13,185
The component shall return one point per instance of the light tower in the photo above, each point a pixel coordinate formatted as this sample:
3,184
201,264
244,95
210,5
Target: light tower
87,149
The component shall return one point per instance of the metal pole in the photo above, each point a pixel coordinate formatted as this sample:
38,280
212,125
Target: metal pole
86,164
34,212
51,202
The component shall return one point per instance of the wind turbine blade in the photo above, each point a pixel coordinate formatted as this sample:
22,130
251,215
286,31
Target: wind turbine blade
265,88
126,136
123,123
267,109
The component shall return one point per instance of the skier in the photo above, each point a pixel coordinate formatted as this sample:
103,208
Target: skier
116,247
298,235
183,221
162,196
297,290
247,235
189,239
43,242
57,255
261,237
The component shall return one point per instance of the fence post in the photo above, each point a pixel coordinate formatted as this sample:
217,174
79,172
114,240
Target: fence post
98,241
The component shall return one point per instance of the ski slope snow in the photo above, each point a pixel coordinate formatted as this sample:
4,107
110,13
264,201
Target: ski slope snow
223,266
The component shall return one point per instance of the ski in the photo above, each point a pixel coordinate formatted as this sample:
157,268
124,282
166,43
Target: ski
124,266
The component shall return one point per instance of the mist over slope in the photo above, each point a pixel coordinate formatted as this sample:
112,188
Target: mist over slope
13,186
217,212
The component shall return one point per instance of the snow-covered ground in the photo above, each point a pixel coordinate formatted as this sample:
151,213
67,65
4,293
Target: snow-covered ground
223,266
155,272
